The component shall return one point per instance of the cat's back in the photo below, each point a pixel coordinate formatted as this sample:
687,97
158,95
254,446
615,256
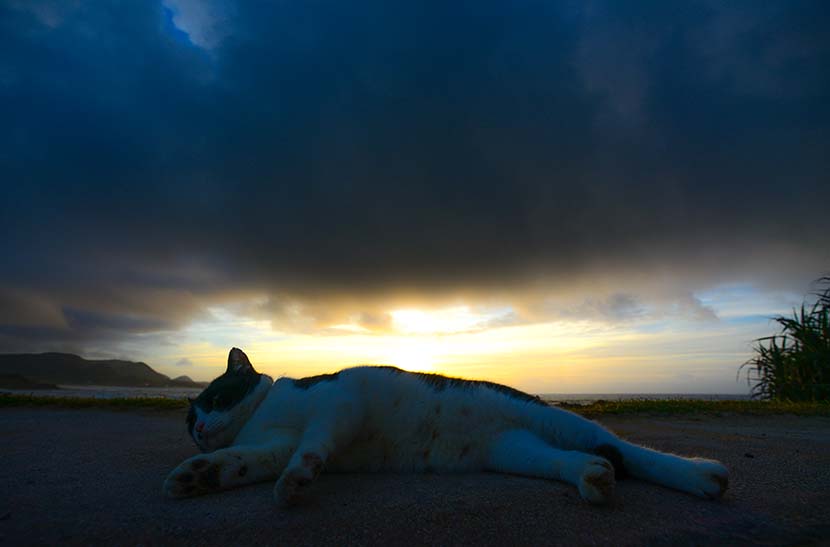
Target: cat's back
390,388
416,421
400,398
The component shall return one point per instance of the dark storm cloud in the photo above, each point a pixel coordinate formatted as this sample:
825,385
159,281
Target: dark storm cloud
317,152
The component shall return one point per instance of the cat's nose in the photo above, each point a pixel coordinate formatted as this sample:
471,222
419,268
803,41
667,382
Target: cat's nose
200,426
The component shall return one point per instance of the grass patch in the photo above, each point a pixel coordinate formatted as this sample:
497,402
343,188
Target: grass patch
795,364
697,406
598,408
123,403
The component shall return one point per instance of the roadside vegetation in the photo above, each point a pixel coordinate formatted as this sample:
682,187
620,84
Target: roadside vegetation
698,406
794,365
598,408
126,403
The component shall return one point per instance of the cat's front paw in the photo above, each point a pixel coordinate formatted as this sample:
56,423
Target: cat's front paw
193,477
296,478
708,478
596,485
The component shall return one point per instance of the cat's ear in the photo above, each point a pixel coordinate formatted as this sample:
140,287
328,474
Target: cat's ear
238,362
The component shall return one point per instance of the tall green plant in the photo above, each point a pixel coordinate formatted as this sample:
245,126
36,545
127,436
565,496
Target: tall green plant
794,365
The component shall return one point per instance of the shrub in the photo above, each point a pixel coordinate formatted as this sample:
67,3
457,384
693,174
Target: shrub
795,364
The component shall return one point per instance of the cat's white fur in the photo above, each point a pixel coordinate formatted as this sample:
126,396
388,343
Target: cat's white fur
377,419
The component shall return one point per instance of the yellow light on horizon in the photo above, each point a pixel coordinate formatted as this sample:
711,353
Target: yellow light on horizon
457,341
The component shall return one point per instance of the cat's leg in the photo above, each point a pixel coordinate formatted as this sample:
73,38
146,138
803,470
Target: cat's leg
330,429
229,468
523,453
699,476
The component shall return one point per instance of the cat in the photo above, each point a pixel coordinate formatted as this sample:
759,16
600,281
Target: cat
367,418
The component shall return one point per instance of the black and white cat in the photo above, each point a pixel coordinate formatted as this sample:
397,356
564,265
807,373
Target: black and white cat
385,419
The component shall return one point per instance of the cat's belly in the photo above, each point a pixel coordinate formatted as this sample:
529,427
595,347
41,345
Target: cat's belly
426,444
378,453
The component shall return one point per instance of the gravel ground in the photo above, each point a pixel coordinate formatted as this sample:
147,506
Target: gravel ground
94,477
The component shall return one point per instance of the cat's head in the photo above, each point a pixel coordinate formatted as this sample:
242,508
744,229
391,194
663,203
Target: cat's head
218,414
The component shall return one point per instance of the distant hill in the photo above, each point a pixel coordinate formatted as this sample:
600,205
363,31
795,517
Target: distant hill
66,368
16,381
183,378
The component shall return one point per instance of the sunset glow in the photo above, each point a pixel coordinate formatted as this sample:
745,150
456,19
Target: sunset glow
648,353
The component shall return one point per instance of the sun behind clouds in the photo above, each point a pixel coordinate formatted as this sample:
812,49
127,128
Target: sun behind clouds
417,355
445,321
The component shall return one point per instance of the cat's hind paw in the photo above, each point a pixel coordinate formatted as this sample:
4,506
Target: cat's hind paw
193,477
596,485
708,479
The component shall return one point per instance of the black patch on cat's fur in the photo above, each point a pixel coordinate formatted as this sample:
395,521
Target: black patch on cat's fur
305,383
224,392
439,382
612,454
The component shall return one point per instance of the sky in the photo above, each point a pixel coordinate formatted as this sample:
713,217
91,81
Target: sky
568,197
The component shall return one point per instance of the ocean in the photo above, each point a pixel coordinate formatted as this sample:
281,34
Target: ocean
110,392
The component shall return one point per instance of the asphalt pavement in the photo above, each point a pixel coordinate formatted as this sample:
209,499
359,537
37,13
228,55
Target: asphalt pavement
94,477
